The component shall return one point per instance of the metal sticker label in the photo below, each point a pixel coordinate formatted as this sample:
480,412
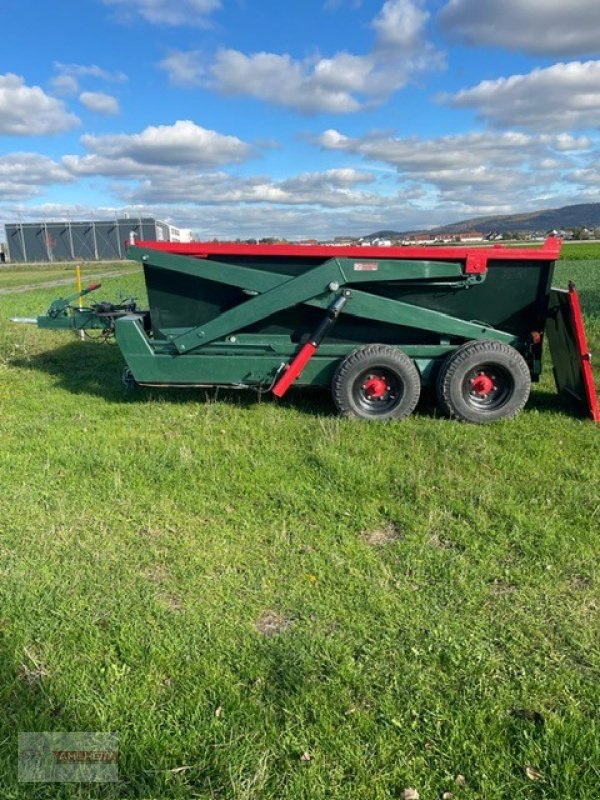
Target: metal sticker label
366,266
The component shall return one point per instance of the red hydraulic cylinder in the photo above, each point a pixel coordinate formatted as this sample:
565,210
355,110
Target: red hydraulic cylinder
307,351
301,359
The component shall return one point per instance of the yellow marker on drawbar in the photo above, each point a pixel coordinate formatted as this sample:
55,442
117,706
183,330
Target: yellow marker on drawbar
79,289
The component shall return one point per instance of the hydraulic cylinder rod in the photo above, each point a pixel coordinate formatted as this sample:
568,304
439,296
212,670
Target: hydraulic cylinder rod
308,350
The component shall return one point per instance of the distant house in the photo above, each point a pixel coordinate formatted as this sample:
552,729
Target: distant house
419,239
567,234
344,240
180,234
470,236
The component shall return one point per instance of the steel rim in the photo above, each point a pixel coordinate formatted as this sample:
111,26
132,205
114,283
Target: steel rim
487,387
378,391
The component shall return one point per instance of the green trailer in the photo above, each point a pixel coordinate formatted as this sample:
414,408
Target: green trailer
374,324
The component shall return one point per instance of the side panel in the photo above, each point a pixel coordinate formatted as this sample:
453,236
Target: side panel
513,298
570,355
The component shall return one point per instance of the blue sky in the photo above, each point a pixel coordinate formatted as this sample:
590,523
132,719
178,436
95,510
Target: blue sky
313,118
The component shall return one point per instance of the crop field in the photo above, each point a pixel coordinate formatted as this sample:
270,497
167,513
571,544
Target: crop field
580,251
267,602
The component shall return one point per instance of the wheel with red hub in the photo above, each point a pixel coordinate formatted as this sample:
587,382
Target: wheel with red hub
376,382
483,381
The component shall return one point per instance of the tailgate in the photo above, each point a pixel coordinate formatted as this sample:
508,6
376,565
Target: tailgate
570,355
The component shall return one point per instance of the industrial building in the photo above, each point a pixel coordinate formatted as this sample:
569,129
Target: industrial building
92,240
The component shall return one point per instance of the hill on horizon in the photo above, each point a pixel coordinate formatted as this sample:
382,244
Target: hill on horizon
581,215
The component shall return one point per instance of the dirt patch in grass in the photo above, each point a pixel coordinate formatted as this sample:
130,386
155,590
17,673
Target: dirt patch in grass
580,583
33,670
439,542
381,536
527,714
156,574
272,623
500,588
159,576
150,533
171,601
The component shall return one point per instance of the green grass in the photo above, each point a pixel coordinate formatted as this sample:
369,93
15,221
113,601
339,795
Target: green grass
68,267
431,588
14,275
580,251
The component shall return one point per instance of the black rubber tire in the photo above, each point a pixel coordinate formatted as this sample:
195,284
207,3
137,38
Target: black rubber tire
383,362
511,390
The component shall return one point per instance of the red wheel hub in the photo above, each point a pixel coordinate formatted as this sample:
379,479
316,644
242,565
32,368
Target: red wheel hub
482,384
375,387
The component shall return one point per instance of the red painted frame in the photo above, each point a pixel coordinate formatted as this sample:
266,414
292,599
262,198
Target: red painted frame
475,258
584,354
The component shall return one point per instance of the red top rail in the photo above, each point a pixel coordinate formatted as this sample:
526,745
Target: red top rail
475,258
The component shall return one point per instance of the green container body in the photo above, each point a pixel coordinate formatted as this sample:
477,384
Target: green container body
513,298
201,329
267,317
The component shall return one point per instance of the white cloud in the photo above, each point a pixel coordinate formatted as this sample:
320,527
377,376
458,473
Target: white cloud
92,164
334,188
465,150
64,84
477,170
234,221
586,177
342,177
169,172
69,76
166,12
560,97
281,80
161,181
100,103
540,27
29,111
23,174
184,68
343,83
182,144
400,24
464,175
89,71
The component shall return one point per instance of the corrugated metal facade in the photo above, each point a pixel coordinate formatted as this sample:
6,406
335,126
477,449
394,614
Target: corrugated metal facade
79,241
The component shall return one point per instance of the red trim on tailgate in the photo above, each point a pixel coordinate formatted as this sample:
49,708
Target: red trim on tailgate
584,354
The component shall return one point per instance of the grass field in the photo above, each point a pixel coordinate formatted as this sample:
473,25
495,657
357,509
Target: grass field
18,275
267,602
580,251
